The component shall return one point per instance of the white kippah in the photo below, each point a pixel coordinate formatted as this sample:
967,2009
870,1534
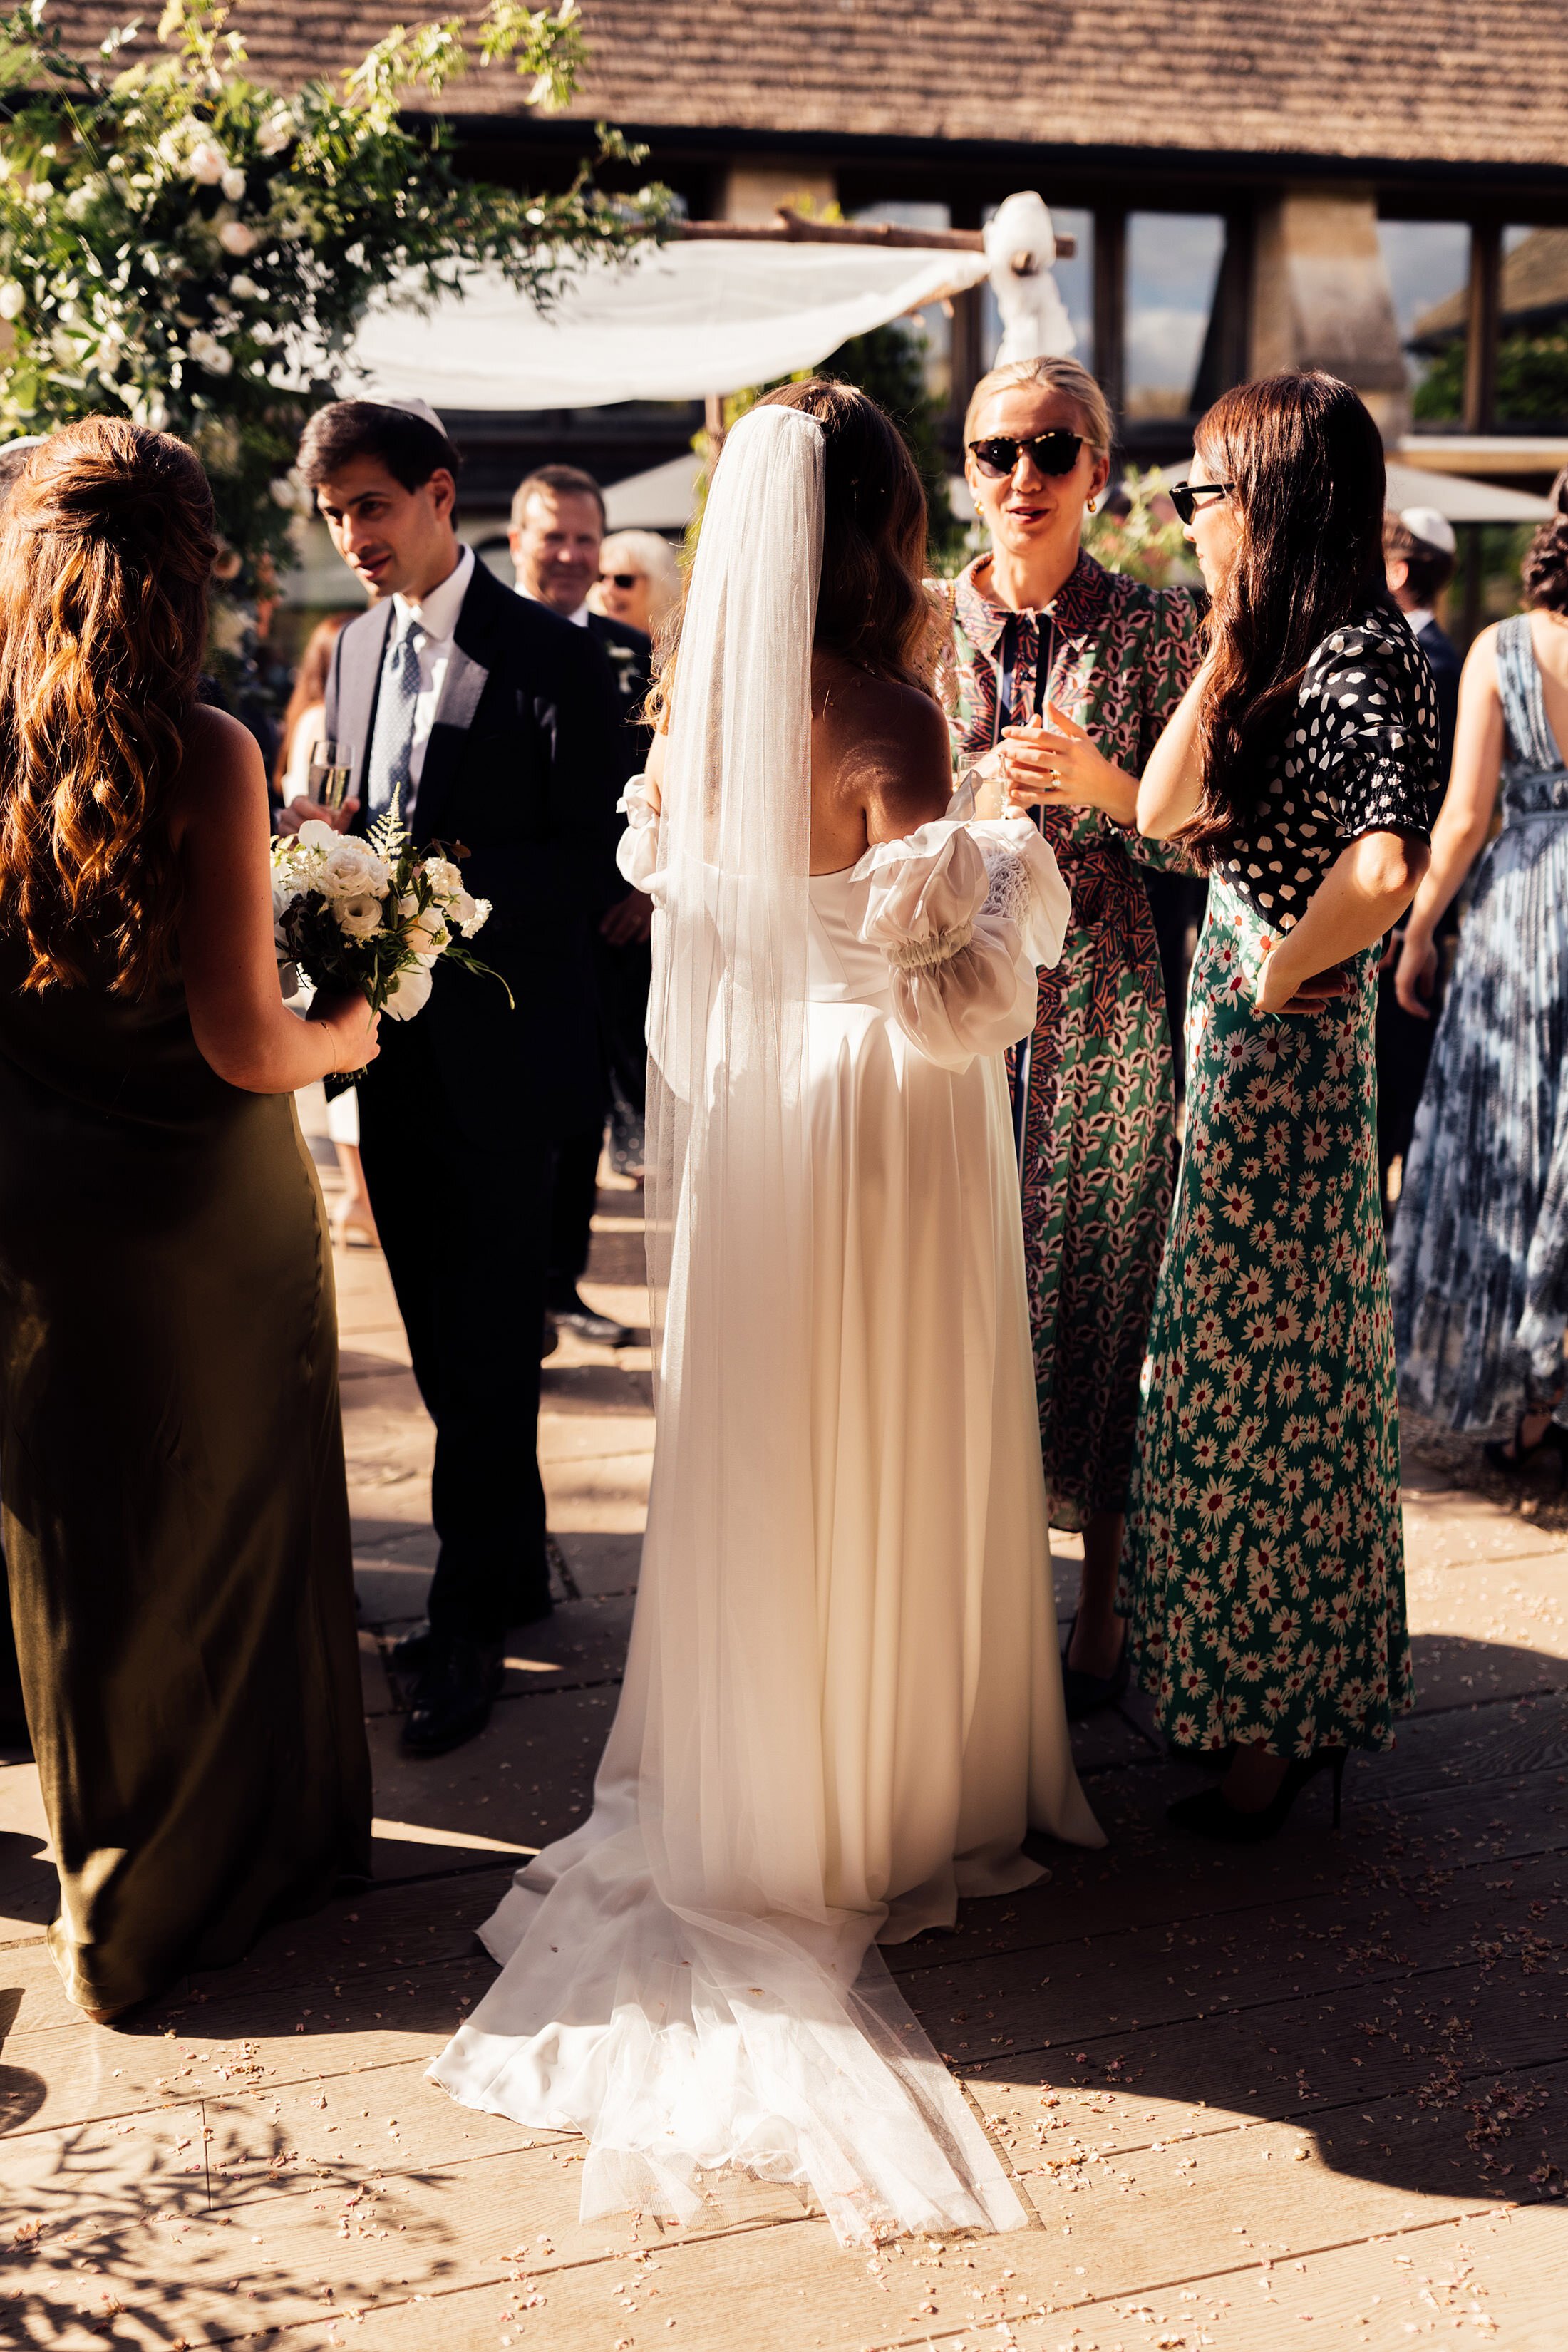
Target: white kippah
23,441
420,408
1434,530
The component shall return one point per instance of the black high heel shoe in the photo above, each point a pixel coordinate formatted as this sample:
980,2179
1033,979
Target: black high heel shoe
1208,1813
1514,1456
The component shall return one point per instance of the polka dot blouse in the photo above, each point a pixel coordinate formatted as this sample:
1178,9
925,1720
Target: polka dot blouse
1361,756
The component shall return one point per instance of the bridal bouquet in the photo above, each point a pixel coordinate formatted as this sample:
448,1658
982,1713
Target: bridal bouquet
372,913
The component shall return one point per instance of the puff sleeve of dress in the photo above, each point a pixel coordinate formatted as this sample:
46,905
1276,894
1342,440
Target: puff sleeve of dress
965,914
638,850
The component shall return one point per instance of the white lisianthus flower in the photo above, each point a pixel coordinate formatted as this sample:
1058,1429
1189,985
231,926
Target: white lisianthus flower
410,993
207,162
209,354
237,238
359,916
350,869
13,299
408,906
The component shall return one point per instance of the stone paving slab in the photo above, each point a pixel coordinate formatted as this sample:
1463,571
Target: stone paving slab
1310,2095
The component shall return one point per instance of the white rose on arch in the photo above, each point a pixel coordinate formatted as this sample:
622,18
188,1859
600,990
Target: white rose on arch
209,354
232,184
410,991
238,238
208,163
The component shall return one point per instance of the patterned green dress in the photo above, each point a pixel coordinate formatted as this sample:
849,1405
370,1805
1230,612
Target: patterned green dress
1263,1567
1098,1143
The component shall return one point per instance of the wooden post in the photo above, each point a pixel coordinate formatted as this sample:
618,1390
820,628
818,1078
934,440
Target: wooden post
713,426
1482,327
1110,306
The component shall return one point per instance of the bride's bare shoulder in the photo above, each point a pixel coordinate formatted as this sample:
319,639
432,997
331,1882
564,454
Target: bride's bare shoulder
879,746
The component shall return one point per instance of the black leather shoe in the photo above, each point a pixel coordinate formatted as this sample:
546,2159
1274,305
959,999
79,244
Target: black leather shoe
1085,1694
406,1654
458,1678
577,1316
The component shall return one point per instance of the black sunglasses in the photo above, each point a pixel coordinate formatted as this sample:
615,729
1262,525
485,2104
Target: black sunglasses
619,578
1052,453
1184,496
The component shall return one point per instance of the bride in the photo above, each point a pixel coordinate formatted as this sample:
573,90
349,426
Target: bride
842,1704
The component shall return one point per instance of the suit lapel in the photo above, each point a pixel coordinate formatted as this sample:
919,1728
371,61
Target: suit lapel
467,671
359,677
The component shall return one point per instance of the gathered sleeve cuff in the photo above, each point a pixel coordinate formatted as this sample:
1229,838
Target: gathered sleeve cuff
965,913
638,851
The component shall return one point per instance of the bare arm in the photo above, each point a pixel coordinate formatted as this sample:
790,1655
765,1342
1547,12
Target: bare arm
1463,821
1172,782
1364,891
243,1029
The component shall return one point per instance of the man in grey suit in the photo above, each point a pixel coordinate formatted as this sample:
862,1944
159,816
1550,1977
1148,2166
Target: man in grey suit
494,724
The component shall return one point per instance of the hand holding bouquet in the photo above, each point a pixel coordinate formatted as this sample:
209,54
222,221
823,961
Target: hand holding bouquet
372,913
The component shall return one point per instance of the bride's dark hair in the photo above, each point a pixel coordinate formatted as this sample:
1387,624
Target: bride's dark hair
1305,462
871,607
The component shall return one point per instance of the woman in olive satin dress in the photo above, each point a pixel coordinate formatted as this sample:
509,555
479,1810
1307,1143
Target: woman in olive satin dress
170,1452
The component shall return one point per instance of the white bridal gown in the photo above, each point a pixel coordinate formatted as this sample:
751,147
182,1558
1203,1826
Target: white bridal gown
842,1708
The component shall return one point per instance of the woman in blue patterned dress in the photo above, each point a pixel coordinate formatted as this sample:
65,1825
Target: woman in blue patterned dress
1480,1244
1264,1571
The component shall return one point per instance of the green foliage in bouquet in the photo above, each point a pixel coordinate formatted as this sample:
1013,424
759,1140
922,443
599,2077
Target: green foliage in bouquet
182,245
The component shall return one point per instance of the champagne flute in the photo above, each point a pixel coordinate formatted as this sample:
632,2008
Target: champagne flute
331,773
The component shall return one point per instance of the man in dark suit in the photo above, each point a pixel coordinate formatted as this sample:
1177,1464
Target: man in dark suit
1418,550
557,524
493,722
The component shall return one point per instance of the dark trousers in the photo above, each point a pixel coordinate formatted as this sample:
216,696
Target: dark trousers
621,975
462,1211
1404,1051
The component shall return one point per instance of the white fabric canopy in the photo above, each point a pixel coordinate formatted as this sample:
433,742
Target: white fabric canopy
679,321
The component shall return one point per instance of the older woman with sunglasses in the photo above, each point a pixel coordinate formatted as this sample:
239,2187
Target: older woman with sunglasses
1065,675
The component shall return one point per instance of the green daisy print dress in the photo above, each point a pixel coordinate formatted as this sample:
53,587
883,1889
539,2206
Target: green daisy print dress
1264,1567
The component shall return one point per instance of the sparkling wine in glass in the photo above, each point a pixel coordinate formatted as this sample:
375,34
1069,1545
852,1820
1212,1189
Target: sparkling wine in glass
331,773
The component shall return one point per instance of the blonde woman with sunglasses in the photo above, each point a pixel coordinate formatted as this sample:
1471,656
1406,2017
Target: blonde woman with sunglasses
1064,676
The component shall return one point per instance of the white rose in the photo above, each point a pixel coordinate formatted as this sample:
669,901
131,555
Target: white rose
359,916
208,163
346,871
232,184
410,993
209,354
13,299
236,237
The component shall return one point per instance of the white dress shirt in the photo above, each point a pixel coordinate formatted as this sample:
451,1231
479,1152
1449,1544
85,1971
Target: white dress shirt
434,623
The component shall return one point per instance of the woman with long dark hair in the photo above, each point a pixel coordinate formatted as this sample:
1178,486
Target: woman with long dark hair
842,1705
171,1455
1480,1242
1264,1572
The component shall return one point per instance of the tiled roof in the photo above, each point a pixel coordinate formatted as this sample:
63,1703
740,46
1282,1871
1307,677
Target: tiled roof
1479,81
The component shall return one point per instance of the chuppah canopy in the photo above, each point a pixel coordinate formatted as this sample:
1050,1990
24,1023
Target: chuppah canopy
679,322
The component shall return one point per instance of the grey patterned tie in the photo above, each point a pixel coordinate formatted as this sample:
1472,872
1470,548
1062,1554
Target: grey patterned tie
394,738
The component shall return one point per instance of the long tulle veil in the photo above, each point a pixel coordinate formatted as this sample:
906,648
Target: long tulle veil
677,1984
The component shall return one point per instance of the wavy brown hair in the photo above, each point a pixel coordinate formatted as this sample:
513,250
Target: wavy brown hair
871,606
105,561
1306,462
1545,573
